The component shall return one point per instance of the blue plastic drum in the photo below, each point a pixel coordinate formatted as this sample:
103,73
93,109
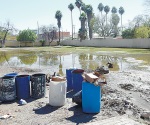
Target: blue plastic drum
23,86
69,78
91,98
77,79
11,74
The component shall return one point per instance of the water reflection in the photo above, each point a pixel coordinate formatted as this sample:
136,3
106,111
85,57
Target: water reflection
49,61
28,60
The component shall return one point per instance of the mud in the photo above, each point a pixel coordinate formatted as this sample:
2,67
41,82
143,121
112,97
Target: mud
126,92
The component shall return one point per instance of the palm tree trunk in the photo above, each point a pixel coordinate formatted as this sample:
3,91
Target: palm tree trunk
59,37
90,29
80,11
101,14
72,24
106,19
121,24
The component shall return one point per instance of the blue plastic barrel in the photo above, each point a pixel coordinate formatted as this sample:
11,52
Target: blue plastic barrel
7,88
69,78
91,98
11,74
77,79
38,85
23,86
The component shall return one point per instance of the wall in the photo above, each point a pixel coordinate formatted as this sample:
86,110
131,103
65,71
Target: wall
124,43
109,42
29,44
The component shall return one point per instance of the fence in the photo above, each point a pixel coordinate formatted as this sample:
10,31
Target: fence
109,42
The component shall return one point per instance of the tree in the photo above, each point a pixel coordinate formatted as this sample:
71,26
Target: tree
26,36
128,34
82,30
48,33
114,10
8,27
78,3
101,29
101,7
121,12
58,16
142,32
106,9
115,22
147,5
89,12
83,7
71,7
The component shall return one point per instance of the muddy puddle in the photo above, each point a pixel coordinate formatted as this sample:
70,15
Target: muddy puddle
50,62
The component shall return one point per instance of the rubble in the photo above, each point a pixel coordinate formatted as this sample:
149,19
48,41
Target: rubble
126,86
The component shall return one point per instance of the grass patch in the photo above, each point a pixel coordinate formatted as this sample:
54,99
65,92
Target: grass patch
72,49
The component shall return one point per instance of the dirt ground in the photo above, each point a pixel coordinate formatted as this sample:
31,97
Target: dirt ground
126,92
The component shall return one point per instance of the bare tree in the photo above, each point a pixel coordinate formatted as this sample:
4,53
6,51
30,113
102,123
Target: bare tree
48,33
5,29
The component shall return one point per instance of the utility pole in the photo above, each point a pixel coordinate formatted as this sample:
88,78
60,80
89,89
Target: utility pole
38,30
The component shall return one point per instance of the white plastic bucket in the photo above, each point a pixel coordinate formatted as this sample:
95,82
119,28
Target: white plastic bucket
57,93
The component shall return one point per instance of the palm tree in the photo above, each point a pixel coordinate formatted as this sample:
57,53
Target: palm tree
106,9
114,10
58,16
82,18
89,12
83,7
78,3
121,12
71,7
100,8
82,30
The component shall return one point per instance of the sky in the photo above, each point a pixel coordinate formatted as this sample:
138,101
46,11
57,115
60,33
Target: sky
24,14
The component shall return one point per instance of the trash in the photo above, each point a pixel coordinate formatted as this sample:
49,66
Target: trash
77,98
5,116
22,102
110,65
48,77
126,86
102,70
100,81
90,77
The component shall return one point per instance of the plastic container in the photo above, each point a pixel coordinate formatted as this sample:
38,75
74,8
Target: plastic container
23,86
38,85
77,98
11,74
77,79
69,78
57,93
91,98
7,88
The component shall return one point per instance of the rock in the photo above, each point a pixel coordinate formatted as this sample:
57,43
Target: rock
145,115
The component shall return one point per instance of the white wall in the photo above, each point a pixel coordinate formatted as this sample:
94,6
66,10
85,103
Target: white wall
96,42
